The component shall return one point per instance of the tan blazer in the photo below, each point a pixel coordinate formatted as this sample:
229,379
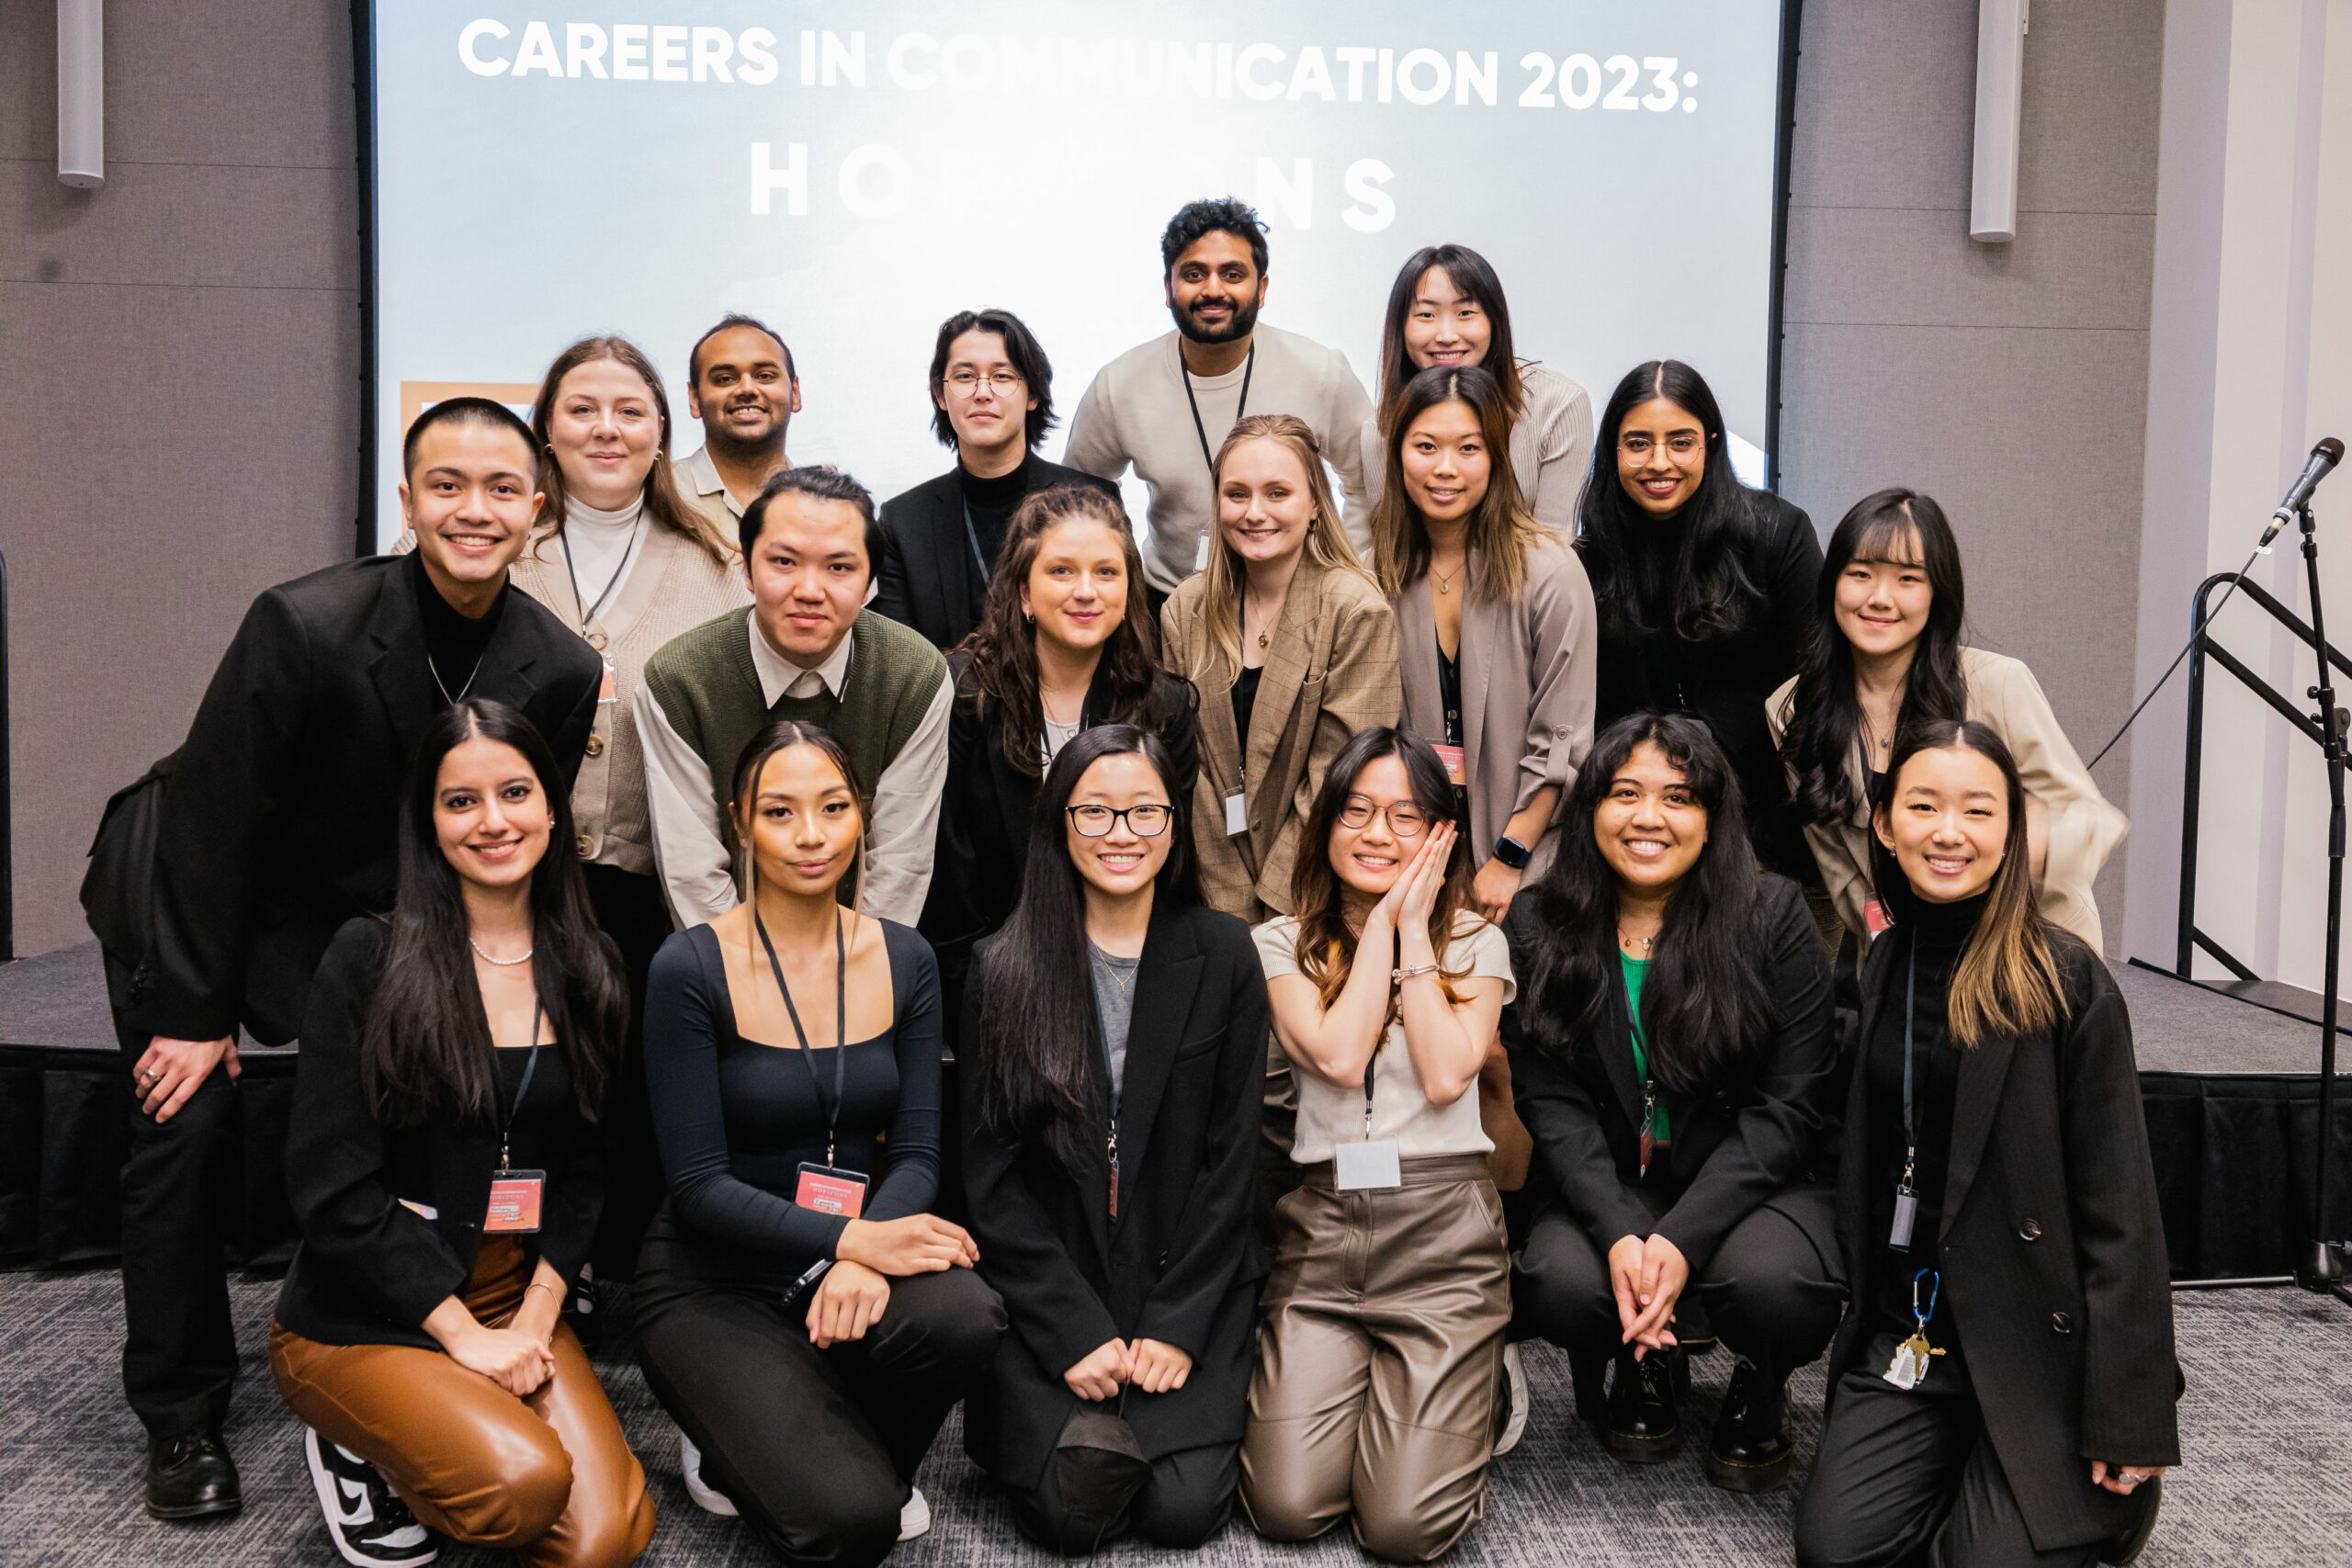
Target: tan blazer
1330,671
2083,829
1527,670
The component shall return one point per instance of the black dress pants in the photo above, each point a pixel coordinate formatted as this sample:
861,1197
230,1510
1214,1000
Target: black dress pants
1768,1293
1181,1501
1906,1476
818,1448
179,1352
632,912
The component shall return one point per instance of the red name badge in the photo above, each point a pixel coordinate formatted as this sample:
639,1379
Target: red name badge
830,1191
1454,772
1876,919
515,1202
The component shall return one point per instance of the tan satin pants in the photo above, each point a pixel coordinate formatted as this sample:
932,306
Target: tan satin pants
549,1478
1380,1360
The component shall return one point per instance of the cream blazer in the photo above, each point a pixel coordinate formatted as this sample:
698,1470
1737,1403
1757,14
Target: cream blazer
2083,829
1330,671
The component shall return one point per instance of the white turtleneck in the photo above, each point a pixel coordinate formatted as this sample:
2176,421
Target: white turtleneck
598,542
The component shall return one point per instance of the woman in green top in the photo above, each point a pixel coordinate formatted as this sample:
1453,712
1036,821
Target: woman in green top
1673,1056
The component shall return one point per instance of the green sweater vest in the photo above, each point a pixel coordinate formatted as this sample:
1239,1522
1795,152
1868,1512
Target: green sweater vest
709,690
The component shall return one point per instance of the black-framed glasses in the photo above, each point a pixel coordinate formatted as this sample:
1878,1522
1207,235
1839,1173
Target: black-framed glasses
1405,820
1144,821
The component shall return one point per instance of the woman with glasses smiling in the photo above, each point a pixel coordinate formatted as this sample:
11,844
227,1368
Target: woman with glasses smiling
1381,1359
992,400
1114,1032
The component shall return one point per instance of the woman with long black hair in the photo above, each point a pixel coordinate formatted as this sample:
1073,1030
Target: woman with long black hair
2003,1390
800,1312
1114,1039
1886,653
446,1174
1704,586
1675,1063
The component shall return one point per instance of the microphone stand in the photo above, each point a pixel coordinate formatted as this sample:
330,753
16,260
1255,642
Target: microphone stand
2322,1268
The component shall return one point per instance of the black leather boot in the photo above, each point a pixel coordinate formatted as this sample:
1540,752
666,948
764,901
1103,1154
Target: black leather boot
1751,1451
1642,1425
191,1477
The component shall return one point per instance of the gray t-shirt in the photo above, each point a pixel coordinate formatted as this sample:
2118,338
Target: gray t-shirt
1114,1005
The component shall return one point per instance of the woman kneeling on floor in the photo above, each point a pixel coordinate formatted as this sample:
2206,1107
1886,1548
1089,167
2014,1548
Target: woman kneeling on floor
1675,1063
445,1174
1380,1360
1114,1047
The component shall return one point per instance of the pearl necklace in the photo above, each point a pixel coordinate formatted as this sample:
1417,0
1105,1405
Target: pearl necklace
501,963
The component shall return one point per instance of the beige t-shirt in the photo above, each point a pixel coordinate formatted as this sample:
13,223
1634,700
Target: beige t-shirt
1328,1115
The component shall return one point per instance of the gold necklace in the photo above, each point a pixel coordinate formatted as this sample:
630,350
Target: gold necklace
1646,943
1445,583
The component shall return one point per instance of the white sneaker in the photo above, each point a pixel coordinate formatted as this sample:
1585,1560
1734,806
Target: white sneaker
1515,1401
690,1464
914,1520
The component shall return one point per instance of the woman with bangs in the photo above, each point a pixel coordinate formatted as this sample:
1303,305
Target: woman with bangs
1381,1358
1886,653
2003,1390
1676,1064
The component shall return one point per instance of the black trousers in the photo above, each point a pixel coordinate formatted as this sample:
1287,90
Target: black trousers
817,1448
630,909
1181,1501
179,1352
1767,1293
1907,1477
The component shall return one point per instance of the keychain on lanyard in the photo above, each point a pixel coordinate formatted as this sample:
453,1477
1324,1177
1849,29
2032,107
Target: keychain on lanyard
515,1196
824,1188
1910,1363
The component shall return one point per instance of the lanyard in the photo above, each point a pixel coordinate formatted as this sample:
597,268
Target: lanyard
1910,1135
972,538
522,1092
841,1015
1248,368
1371,1062
1102,1047
588,611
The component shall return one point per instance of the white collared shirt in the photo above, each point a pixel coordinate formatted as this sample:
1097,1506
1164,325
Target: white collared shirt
698,873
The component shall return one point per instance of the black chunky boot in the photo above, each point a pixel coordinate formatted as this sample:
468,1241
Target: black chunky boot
1751,1451
1641,1425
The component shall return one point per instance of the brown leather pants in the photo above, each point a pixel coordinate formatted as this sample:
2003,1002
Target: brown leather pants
549,1478
1380,1360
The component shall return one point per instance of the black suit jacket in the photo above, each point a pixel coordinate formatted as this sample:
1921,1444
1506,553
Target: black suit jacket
2053,1250
986,813
1735,1146
277,822
928,579
1181,1263
369,1269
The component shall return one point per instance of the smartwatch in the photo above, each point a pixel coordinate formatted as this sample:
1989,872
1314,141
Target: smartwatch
1513,854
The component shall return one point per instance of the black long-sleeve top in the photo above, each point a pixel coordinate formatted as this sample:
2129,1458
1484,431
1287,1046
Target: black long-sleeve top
735,1118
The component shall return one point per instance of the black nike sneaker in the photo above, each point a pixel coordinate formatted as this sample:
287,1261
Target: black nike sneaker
371,1526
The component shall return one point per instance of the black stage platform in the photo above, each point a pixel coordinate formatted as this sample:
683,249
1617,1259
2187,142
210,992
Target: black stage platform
2230,1091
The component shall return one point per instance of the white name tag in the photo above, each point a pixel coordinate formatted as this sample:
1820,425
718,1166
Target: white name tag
1369,1167
1237,815
1201,556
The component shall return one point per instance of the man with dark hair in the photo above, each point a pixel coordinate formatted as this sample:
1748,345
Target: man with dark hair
218,880
1164,406
741,384
992,400
807,648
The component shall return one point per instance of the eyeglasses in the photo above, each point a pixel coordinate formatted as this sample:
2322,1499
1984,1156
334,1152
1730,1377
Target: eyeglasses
1681,443
1001,382
1404,819
1143,821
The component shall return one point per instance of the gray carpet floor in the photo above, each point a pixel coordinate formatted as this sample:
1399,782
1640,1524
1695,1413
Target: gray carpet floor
2266,1425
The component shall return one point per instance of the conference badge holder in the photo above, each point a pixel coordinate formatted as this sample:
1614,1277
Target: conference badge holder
1457,772
516,1197
1372,1164
1911,1357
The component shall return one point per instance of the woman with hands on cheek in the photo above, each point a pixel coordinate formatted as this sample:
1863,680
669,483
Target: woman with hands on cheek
1675,1063
1114,1042
1381,1358
788,1045
446,1175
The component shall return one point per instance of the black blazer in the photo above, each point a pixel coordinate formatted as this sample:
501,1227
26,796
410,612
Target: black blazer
2053,1250
368,1269
1727,682
985,813
277,823
1735,1148
1180,1264
928,579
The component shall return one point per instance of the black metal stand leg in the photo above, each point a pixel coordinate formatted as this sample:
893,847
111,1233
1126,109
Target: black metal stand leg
2322,1268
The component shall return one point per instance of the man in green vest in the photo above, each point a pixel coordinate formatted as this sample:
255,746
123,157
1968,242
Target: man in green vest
807,648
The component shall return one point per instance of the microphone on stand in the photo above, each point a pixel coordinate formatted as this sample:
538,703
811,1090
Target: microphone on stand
2323,459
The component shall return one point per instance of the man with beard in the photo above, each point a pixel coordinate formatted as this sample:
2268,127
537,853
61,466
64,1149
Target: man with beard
742,385
1164,406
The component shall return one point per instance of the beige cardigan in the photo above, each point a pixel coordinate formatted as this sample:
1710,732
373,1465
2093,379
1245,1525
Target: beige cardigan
2083,829
1329,671
1527,670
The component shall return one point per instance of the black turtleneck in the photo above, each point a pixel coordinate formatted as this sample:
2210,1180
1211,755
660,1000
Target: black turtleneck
453,641
991,504
1932,935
